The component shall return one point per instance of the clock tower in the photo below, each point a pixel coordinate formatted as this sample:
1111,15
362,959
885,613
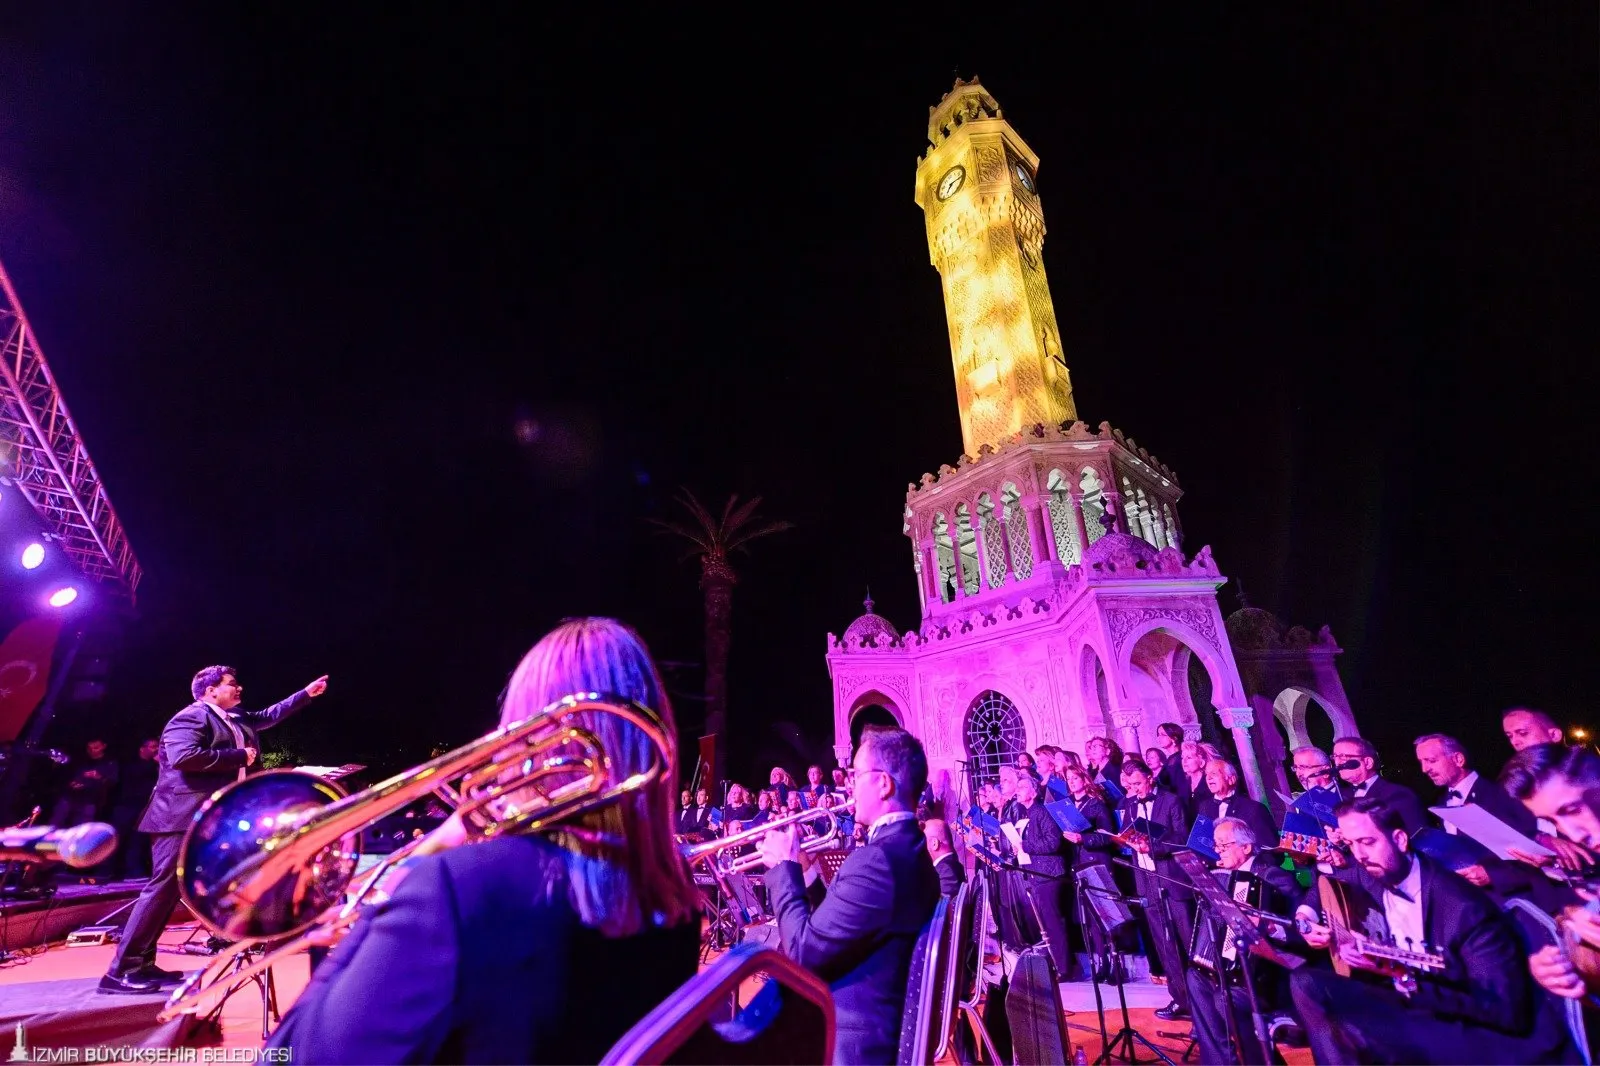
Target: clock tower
977,189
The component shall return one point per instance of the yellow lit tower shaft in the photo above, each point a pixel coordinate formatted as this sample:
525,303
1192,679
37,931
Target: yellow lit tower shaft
976,187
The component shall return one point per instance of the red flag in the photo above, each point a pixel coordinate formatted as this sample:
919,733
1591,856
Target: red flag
708,760
25,671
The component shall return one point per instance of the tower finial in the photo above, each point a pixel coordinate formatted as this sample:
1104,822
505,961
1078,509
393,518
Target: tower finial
1238,592
867,603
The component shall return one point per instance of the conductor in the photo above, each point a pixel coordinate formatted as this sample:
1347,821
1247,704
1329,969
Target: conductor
206,746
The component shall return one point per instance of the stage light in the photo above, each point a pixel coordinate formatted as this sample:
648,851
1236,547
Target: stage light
62,597
32,556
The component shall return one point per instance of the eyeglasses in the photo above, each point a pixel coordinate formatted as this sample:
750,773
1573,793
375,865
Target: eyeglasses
1313,771
852,773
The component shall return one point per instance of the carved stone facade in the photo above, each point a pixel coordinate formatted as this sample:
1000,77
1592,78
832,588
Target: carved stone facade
1049,560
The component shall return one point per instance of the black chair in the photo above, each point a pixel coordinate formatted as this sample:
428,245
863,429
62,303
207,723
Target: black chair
790,1021
960,963
919,1020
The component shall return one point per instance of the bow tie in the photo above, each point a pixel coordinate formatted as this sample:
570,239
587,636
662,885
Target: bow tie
1456,794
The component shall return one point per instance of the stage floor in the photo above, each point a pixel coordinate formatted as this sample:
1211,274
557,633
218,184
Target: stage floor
241,1019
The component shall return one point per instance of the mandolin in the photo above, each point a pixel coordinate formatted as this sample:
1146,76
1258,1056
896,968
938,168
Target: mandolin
1343,907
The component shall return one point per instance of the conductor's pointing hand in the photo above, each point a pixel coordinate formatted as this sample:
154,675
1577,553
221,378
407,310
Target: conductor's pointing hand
317,687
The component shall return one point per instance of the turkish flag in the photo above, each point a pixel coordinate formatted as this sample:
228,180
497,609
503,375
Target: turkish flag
25,671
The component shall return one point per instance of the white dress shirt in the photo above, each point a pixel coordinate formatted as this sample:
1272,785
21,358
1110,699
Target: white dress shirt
1144,809
233,727
1457,797
1403,910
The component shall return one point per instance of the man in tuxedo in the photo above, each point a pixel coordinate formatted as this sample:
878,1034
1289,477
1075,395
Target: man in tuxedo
1314,769
1222,779
1357,763
1525,727
206,746
1482,1007
1265,887
858,934
1168,907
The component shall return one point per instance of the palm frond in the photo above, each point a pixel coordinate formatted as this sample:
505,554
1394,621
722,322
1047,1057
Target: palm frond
742,516
702,541
692,503
744,536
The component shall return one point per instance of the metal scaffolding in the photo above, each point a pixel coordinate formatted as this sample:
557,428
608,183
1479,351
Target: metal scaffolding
43,458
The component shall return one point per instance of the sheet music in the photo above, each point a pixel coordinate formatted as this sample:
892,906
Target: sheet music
1013,832
1490,831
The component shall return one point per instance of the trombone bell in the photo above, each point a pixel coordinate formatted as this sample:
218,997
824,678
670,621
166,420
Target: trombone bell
738,864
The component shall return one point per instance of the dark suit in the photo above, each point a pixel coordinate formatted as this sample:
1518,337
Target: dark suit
952,875
478,956
198,756
1046,882
1172,778
1396,797
1170,927
1252,813
1509,877
1272,889
858,934
1484,1006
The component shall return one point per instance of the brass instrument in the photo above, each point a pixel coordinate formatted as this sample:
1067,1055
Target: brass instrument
738,864
268,860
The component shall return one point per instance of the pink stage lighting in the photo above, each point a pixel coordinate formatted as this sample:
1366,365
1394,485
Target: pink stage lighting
62,597
32,556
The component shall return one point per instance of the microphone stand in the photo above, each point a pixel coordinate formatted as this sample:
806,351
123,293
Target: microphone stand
1166,917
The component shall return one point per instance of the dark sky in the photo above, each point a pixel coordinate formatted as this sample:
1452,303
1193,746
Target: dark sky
301,271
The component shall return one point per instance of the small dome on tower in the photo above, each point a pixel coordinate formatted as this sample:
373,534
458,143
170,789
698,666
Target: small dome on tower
1123,552
1252,629
871,629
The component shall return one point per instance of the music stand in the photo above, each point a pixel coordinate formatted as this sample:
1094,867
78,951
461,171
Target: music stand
1111,910
830,861
1247,940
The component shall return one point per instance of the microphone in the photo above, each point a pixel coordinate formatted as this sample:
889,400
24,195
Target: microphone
1353,764
80,847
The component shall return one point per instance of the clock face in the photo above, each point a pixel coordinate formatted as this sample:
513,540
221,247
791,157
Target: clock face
1023,176
950,184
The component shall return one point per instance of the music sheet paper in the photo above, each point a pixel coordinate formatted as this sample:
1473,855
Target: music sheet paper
1013,833
1490,831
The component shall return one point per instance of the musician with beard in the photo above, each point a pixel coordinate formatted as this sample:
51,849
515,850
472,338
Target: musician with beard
1483,1006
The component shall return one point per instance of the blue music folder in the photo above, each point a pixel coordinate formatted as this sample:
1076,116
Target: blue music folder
1203,839
1067,816
984,822
1113,790
716,816
1058,789
1319,803
1304,824
1454,850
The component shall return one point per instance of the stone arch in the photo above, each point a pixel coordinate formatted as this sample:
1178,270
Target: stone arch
872,709
1226,690
944,551
1290,707
1092,486
1016,521
1059,500
1094,692
989,519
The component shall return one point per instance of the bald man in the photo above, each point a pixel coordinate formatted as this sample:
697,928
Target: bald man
945,862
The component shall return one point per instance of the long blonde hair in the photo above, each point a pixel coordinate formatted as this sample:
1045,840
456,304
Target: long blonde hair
624,870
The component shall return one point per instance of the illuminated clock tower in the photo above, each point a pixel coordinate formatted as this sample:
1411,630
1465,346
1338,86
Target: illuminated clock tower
977,190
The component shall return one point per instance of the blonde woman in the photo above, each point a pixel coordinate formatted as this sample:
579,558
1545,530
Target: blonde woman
509,950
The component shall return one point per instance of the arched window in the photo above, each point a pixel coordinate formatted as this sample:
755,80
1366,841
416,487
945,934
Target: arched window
995,736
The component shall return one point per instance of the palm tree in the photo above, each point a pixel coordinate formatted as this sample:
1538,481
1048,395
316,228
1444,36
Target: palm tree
714,540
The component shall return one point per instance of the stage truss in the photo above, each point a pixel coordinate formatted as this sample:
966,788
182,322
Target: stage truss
44,459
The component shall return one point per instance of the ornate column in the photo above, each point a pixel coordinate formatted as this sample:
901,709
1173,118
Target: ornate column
842,752
1038,538
981,556
930,575
1005,543
1075,495
1240,719
1112,499
1127,723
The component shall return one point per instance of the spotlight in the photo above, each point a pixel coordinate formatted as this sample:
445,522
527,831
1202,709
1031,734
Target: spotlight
32,556
62,597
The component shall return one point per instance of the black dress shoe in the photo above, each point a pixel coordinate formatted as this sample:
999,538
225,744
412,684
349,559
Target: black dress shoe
151,972
128,984
1172,1012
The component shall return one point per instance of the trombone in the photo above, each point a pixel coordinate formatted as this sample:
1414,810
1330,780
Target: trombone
737,864
268,860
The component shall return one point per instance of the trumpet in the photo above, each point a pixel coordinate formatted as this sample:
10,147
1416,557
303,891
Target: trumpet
738,864
268,860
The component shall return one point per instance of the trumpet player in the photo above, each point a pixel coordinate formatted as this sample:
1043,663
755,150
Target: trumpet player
206,746
509,950
859,933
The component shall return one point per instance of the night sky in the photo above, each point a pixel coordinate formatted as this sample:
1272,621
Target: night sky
302,273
